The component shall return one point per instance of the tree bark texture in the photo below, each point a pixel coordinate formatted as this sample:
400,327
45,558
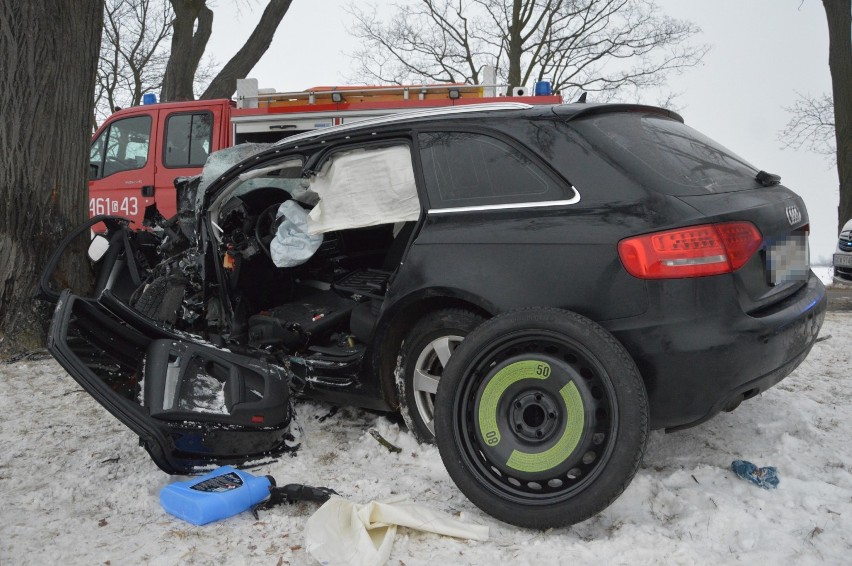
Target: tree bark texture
839,15
188,44
50,53
241,64
514,50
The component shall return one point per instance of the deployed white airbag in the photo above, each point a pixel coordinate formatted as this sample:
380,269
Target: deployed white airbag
365,187
293,245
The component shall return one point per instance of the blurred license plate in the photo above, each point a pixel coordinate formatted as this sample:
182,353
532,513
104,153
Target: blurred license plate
787,260
843,260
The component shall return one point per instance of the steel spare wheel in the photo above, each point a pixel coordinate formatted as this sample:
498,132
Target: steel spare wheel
541,418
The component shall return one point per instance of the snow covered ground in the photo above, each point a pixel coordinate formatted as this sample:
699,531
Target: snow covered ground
75,488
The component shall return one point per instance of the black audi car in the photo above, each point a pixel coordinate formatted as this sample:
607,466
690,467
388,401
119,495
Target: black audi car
533,288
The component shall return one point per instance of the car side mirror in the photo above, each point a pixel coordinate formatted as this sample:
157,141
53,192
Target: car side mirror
93,170
98,247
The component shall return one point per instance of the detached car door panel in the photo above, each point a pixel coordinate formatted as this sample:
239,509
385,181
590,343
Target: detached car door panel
191,404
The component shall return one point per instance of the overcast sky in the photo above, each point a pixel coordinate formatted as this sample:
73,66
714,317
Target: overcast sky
763,51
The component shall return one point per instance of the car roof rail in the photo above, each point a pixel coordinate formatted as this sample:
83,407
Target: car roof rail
404,116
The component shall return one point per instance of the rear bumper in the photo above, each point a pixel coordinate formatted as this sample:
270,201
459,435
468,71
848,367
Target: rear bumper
712,354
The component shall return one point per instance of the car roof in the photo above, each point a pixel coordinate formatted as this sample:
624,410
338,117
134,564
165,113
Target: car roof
565,111
405,117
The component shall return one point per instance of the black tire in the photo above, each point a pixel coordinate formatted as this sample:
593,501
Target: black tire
541,418
419,352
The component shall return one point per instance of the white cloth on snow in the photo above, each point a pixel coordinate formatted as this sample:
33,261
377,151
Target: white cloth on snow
342,532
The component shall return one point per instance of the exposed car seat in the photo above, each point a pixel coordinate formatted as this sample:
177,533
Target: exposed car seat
364,315
294,325
299,324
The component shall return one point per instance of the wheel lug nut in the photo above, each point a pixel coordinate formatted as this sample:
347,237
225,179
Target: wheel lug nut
517,404
539,434
551,415
518,426
538,396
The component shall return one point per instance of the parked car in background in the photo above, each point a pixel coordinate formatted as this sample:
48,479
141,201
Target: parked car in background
842,260
533,287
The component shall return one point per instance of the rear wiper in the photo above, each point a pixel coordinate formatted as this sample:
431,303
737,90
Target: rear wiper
767,179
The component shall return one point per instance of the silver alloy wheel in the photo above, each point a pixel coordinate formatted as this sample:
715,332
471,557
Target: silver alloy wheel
427,372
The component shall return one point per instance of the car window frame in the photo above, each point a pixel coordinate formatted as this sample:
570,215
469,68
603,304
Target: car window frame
324,150
104,137
230,183
540,164
165,144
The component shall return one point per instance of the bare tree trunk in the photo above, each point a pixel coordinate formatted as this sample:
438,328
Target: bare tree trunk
839,15
50,54
514,49
241,64
188,45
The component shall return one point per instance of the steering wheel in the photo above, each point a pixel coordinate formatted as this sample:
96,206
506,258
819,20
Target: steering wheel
266,227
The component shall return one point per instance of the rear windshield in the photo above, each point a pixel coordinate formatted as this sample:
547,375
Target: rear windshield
666,155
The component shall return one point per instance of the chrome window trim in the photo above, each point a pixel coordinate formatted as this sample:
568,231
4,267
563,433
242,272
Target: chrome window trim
508,206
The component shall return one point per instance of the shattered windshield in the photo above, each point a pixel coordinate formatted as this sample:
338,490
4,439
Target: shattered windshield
222,160
355,188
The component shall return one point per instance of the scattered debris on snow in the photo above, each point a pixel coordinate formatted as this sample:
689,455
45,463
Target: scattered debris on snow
76,488
765,477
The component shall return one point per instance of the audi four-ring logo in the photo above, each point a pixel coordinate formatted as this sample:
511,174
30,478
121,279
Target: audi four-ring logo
793,214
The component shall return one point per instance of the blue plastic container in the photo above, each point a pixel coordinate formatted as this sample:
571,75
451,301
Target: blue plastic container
217,495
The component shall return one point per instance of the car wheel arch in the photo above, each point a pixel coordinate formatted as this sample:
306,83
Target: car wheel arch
395,325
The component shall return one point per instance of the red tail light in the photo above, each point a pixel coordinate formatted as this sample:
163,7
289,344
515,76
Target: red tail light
694,251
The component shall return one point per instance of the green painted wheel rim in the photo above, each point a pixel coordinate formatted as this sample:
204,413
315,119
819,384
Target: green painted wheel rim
558,397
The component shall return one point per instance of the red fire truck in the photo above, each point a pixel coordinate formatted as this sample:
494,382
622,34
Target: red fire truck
138,152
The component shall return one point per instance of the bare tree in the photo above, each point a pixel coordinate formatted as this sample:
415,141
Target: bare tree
50,54
192,27
225,83
839,16
599,46
134,52
811,125
823,124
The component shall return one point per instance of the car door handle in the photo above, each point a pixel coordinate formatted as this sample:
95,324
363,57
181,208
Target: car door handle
148,191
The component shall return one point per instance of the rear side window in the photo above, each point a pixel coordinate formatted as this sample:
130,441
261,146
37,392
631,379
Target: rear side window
667,155
188,139
469,169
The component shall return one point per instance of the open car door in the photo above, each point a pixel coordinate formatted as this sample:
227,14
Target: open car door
191,403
